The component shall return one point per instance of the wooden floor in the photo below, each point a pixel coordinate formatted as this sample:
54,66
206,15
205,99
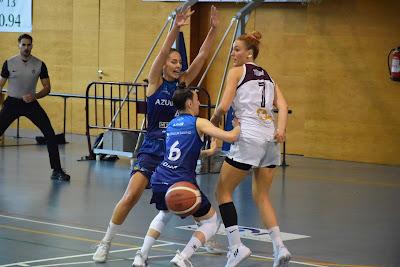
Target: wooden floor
332,213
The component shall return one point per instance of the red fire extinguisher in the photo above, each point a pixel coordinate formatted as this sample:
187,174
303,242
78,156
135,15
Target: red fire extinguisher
394,64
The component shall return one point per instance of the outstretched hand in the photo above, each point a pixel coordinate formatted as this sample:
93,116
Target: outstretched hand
182,17
214,17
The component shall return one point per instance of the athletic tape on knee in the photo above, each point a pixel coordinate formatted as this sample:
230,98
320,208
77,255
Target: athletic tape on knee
160,221
209,227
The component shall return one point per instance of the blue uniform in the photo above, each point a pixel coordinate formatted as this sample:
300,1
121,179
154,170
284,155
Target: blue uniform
183,145
160,110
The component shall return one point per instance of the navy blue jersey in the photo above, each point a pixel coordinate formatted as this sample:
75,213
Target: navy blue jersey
183,145
160,109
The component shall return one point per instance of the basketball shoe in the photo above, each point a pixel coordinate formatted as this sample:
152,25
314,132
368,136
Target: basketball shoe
180,261
237,254
139,260
102,251
281,257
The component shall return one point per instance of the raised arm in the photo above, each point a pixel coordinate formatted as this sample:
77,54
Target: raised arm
232,80
281,104
155,77
204,51
206,127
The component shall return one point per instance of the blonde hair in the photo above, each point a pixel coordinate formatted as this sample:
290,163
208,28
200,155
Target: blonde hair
252,41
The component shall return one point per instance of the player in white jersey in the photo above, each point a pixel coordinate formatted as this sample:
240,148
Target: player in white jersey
252,94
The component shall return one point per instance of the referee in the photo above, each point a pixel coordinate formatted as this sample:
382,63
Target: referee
23,72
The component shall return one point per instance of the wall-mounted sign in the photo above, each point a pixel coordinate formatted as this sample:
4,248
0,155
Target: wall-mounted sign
15,15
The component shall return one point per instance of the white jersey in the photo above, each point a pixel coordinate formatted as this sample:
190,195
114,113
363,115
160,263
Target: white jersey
253,103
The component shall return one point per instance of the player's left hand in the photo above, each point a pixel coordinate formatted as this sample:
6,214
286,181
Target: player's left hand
280,136
213,146
235,122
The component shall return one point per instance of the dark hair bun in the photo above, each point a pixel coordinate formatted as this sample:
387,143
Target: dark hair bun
181,85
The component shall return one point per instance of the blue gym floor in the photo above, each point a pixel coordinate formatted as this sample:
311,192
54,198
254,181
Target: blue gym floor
332,213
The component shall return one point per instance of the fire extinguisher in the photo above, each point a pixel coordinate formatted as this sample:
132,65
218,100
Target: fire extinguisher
394,64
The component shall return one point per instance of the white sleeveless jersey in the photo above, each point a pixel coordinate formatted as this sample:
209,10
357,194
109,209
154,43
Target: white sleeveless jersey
253,103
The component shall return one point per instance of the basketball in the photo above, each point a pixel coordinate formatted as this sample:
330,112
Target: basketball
183,198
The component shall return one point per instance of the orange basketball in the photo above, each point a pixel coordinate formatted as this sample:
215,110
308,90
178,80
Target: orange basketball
183,198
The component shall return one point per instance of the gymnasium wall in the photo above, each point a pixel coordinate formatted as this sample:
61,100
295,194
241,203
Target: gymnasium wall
76,38
329,60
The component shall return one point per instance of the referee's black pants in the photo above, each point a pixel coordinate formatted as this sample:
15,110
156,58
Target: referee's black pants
14,108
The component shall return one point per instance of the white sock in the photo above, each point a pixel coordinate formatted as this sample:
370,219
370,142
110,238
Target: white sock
147,244
233,235
111,231
191,247
275,235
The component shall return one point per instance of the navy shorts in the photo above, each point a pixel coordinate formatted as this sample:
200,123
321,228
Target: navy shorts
158,198
150,155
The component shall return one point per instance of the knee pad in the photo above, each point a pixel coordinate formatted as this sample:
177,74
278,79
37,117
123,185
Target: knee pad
160,221
209,227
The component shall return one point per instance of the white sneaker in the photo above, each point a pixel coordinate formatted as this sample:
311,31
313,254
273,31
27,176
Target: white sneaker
282,257
139,260
237,254
102,251
180,261
213,247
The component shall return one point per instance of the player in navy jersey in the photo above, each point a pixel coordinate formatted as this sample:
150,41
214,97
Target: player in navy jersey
185,135
165,74
252,93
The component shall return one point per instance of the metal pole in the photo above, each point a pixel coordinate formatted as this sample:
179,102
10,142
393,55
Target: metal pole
215,53
247,9
65,113
18,127
284,164
227,63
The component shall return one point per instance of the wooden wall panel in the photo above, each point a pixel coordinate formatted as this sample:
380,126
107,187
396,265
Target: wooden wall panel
85,54
330,62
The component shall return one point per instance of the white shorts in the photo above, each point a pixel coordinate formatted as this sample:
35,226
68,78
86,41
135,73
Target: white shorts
255,152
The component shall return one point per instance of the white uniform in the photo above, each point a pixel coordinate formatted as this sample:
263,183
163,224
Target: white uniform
253,106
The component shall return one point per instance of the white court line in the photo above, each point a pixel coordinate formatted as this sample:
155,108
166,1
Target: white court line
77,228
130,236
74,256
169,255
291,261
112,260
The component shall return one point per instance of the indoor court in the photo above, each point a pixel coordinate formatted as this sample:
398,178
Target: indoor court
334,207
336,194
